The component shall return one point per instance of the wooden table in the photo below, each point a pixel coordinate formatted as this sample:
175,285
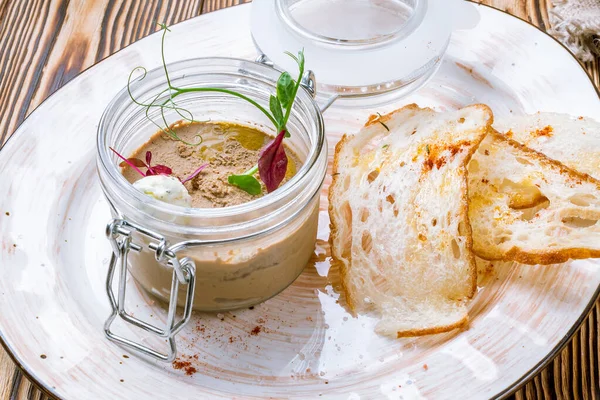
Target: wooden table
45,43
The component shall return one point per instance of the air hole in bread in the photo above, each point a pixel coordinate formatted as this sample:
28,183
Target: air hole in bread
558,231
455,249
390,199
434,222
521,195
582,200
372,175
523,161
346,236
501,239
347,213
473,166
364,215
366,242
346,184
527,214
576,222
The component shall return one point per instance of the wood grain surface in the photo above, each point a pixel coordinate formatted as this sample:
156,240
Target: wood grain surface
45,43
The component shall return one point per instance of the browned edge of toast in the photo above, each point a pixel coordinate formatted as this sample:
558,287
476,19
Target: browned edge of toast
548,257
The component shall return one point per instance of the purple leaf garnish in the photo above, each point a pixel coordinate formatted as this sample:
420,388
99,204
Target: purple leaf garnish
159,170
196,172
135,163
156,169
272,164
131,164
149,164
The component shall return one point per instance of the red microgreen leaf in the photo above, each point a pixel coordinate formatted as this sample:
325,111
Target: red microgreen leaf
272,163
149,164
161,170
196,172
127,162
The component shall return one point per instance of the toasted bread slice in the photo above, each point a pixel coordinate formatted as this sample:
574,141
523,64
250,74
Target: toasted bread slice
399,222
572,141
561,221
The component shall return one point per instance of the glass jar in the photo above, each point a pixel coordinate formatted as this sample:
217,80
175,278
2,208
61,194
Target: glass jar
254,250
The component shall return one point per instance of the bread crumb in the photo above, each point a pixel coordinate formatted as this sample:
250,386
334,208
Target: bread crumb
546,131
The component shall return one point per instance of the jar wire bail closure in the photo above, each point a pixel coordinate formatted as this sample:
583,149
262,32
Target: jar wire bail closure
308,81
119,232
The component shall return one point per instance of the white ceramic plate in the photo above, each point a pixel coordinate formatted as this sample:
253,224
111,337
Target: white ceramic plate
54,255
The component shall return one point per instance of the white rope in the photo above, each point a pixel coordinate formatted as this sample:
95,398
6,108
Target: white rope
576,23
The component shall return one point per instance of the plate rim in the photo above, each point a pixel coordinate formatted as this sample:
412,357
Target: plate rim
511,389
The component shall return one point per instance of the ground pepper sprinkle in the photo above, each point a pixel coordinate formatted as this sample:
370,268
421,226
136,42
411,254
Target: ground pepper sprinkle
186,366
255,331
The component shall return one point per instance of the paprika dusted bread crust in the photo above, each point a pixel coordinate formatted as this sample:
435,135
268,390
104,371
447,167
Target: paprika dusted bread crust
529,208
572,141
399,220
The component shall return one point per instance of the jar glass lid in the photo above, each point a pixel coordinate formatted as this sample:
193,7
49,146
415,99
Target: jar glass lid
366,52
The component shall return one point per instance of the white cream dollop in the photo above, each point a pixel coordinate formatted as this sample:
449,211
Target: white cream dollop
164,188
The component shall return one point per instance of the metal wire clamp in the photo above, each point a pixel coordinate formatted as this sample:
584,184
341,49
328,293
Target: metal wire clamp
307,81
119,232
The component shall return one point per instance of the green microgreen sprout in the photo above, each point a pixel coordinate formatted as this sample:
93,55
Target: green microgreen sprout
381,122
272,163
